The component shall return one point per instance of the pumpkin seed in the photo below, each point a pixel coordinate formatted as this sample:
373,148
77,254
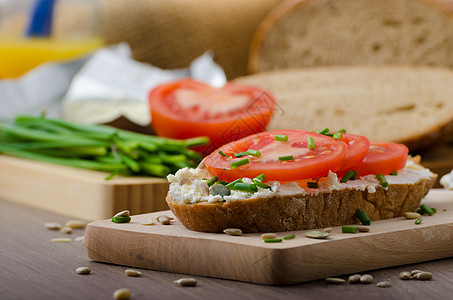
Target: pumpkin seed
133,273
219,189
328,229
186,282
53,226
413,272
366,279
384,284
332,280
317,234
75,224
164,220
65,229
423,276
354,278
83,270
363,228
405,275
124,213
61,240
122,294
147,222
266,236
79,239
233,231
411,215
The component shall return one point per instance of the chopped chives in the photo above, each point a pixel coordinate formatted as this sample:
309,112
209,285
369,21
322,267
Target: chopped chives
382,180
239,163
342,130
289,237
260,184
363,217
281,137
323,131
418,221
285,158
337,135
222,153
347,176
394,173
427,210
245,187
223,182
212,180
231,184
312,185
354,177
240,154
434,209
311,143
348,229
255,153
261,177
273,240
121,219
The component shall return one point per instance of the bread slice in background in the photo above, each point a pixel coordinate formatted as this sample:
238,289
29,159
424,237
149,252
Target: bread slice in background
404,104
310,33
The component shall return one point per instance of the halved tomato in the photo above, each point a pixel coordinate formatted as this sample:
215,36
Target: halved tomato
328,154
382,158
188,108
357,149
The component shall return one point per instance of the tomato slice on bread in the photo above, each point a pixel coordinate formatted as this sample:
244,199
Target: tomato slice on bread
382,158
357,149
327,155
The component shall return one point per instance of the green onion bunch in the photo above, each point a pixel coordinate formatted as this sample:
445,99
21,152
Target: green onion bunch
96,147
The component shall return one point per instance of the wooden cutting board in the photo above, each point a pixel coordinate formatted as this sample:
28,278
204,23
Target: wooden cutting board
78,193
174,248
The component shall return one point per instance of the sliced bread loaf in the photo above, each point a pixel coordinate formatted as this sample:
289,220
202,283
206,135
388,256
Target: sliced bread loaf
309,33
410,105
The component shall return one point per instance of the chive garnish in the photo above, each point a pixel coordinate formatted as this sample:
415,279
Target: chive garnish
312,185
121,219
239,163
382,180
323,131
273,240
289,237
240,154
363,217
222,153
418,221
261,185
255,153
348,229
245,187
354,176
342,130
347,176
311,143
337,135
212,180
427,210
394,173
433,209
231,184
281,137
285,158
261,177
223,182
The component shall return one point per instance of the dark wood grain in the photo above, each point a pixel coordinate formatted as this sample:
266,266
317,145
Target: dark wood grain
33,267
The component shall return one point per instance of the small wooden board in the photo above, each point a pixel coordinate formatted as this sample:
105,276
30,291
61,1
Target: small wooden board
78,193
174,248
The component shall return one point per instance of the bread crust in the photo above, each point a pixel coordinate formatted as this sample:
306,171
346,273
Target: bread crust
300,212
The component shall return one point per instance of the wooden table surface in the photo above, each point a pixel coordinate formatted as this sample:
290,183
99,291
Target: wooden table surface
33,267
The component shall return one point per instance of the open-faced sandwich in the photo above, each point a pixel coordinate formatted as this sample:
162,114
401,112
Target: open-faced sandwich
293,180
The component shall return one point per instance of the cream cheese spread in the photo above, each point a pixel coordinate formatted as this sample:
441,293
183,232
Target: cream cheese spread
447,181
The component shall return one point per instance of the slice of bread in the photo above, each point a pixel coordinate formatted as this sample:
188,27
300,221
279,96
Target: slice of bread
315,208
404,104
309,33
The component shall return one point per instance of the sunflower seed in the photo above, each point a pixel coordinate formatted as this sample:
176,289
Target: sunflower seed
233,231
405,275
354,278
164,220
423,276
383,284
366,279
266,236
53,226
186,282
411,215
315,234
79,239
332,280
124,213
122,294
65,229
363,228
61,240
75,224
413,272
83,270
147,222
133,273
328,229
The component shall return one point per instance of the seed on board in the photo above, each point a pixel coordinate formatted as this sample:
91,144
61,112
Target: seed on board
61,240
186,282
133,273
413,272
233,231
122,294
328,229
354,278
315,234
423,276
366,278
65,229
124,213
411,215
266,236
75,224
147,222
164,220
363,228
79,239
53,226
384,284
405,275
333,280
83,270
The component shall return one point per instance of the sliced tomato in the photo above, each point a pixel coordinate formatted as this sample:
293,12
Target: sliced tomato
357,149
382,158
327,155
188,108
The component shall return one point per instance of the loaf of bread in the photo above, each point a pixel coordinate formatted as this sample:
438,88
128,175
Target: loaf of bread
310,33
410,105
288,207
